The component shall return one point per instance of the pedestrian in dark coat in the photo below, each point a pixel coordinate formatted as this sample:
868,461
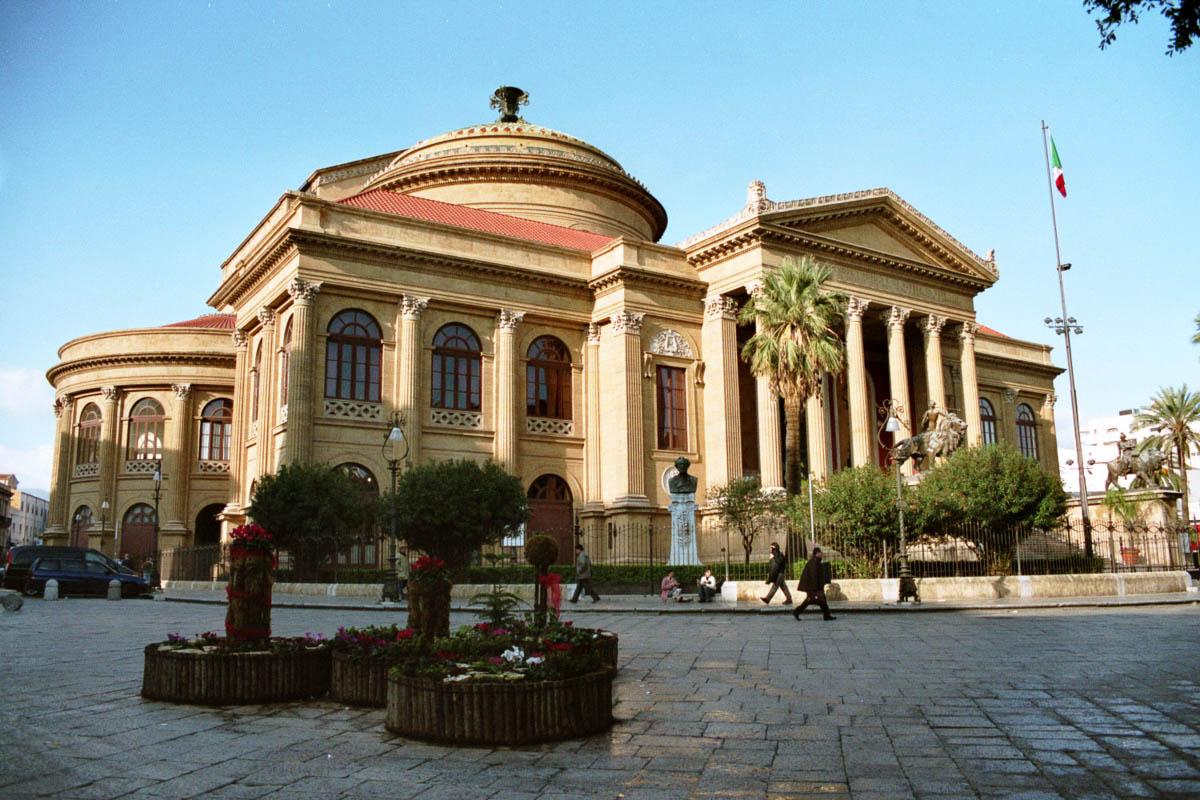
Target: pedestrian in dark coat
812,582
777,575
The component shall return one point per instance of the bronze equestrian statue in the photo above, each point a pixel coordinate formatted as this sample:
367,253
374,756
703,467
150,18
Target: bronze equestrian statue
1146,467
948,433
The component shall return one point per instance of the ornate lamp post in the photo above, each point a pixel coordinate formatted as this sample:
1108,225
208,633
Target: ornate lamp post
395,451
157,496
116,536
889,416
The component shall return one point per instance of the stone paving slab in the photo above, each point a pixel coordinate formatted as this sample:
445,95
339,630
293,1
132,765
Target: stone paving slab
651,604
1047,703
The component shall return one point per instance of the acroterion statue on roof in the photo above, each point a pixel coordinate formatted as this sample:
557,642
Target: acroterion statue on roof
507,100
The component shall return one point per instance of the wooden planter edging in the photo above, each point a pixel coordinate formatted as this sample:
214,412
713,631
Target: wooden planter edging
234,678
358,681
519,712
606,648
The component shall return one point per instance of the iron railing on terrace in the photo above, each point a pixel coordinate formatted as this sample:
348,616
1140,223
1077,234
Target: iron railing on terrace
967,549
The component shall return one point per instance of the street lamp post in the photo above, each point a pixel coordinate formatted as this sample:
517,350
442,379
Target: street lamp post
395,451
1064,326
889,415
103,523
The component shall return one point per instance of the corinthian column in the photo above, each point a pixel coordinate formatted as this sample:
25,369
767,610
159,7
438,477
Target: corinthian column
266,395
298,447
109,451
177,459
237,445
898,369
409,371
722,415
506,389
770,452
970,384
934,382
856,373
60,476
593,486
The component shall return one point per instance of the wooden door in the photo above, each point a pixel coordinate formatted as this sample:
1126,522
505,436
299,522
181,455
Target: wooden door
552,513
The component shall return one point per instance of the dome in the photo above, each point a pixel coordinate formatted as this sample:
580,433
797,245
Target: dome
513,167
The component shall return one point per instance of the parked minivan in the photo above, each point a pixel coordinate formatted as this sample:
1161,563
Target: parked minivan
20,562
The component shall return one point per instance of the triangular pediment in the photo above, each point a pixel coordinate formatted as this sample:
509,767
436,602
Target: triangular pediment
878,221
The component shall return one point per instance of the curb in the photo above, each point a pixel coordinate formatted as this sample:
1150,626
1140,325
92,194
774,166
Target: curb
932,608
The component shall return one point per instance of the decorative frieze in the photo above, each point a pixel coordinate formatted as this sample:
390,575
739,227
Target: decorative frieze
302,292
412,307
720,307
670,343
353,409
87,470
510,319
213,467
627,322
141,466
455,419
557,427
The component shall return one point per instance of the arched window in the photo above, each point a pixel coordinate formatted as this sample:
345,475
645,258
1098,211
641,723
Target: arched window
548,379
255,382
87,448
987,420
353,354
285,359
361,550
457,362
139,514
146,430
216,427
1026,431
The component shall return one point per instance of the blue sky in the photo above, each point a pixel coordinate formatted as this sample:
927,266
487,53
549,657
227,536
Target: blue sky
141,141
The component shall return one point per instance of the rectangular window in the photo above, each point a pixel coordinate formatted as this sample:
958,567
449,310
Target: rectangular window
672,408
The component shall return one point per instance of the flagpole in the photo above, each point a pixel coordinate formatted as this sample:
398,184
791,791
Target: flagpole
1084,511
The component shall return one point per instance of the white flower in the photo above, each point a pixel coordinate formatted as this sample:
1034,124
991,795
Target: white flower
456,678
534,660
513,655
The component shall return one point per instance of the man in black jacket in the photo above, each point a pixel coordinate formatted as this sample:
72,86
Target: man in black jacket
812,582
777,575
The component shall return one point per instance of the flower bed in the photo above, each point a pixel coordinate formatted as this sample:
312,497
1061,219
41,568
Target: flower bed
499,713
211,670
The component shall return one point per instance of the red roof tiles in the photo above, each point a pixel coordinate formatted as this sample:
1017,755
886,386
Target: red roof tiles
993,332
216,321
475,219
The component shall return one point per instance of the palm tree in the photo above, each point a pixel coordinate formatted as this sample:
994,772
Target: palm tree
796,343
1173,415
1196,335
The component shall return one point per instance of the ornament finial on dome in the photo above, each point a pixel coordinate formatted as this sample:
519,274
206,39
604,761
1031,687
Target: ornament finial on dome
507,100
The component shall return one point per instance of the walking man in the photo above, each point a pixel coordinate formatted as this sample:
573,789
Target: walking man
812,582
777,575
583,575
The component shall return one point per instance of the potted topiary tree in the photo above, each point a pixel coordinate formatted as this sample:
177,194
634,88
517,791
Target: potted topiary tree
541,551
449,510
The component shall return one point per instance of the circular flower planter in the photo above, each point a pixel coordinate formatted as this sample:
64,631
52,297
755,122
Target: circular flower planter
606,648
234,678
511,713
358,681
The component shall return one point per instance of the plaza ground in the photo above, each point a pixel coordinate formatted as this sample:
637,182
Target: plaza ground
1032,703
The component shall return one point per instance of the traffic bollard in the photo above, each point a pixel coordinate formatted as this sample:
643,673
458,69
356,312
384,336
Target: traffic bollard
114,589
51,591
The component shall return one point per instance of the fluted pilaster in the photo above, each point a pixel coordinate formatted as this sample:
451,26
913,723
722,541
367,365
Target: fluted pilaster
301,391
109,451
177,458
267,411
60,475
898,369
593,485
241,419
856,373
935,383
506,389
722,413
408,368
970,384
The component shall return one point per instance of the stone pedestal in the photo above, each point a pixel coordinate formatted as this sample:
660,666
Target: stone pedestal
683,529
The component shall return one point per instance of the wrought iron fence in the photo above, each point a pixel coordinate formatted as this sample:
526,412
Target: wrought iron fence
637,554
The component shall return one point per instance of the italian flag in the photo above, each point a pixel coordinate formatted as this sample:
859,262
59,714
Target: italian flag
1057,170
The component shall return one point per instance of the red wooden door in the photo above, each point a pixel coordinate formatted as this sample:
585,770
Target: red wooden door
551,511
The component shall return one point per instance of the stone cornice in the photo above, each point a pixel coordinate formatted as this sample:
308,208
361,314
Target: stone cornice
758,233
59,371
295,241
636,276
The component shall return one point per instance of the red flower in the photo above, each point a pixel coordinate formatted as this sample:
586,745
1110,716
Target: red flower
447,655
407,633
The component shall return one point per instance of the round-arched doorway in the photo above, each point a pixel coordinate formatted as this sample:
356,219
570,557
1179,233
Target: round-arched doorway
208,526
81,523
551,511
138,535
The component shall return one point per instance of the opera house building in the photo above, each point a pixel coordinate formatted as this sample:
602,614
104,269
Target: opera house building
503,287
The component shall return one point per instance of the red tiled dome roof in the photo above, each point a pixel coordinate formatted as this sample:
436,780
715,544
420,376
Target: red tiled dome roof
993,332
423,208
214,321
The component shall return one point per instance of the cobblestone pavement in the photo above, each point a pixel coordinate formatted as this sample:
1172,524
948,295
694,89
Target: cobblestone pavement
1080,703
